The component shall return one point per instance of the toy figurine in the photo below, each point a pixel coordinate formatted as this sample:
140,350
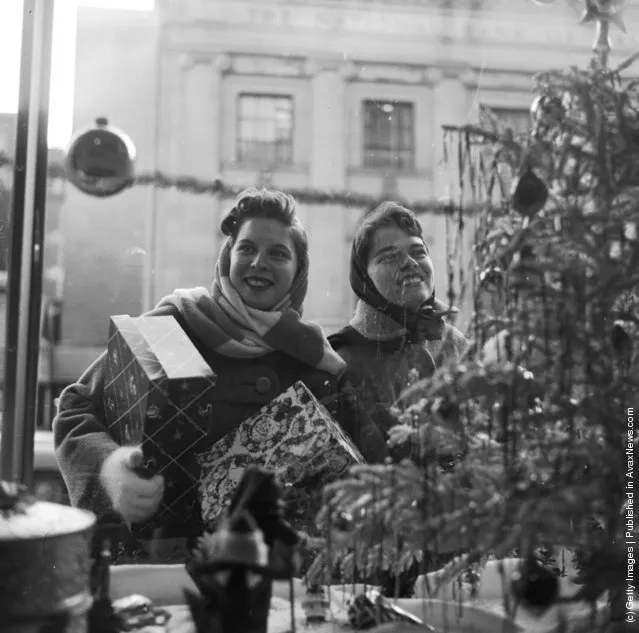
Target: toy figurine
234,579
234,567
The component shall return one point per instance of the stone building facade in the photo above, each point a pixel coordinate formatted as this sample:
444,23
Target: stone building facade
319,94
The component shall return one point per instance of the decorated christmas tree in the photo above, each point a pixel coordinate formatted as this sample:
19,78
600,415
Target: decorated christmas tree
527,446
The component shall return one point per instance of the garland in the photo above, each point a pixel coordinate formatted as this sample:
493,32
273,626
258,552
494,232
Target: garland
219,188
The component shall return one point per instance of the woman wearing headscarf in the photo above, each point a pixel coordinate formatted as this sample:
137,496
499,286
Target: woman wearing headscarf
248,326
396,336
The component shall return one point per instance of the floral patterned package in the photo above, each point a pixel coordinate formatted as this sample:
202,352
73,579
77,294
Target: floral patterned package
294,435
157,394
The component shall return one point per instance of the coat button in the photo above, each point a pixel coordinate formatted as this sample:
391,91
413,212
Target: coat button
263,384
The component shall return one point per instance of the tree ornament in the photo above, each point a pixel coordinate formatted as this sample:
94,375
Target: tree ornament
546,112
343,526
534,586
472,578
100,160
620,339
529,195
492,276
606,10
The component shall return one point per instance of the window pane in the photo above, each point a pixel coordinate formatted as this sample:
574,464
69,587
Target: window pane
388,134
265,129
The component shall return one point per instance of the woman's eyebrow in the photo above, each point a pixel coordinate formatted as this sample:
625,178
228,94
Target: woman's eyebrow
385,249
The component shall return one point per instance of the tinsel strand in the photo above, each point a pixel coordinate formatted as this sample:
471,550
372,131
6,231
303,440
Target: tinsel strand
220,188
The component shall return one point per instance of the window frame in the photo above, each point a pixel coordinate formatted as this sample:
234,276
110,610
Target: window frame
239,140
365,149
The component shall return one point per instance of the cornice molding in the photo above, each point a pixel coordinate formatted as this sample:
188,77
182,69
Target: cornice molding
498,22
360,71
189,60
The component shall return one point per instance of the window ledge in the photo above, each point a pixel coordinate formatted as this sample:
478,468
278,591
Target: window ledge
385,172
295,168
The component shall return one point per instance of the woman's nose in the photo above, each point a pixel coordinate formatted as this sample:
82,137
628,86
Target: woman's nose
258,261
409,262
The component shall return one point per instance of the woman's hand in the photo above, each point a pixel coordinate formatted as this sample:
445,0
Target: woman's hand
136,499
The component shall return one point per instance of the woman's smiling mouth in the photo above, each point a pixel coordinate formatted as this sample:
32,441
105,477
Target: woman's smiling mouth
411,280
257,283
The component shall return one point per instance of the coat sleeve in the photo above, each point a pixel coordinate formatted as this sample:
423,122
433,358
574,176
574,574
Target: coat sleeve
357,422
82,440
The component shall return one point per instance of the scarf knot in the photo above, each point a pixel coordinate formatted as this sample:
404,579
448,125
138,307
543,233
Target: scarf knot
376,325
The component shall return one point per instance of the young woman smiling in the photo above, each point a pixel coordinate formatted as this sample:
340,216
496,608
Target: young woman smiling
248,328
397,335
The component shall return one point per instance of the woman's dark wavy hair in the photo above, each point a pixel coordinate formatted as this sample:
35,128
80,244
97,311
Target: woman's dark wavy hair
271,204
384,215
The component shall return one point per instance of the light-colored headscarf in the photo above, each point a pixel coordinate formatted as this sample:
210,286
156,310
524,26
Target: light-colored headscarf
223,322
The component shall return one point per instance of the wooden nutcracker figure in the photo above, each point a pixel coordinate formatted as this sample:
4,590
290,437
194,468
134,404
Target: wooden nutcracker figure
235,566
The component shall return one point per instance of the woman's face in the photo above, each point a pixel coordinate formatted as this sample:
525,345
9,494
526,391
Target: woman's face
263,262
400,267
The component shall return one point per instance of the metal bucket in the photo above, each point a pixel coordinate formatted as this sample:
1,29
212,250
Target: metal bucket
45,564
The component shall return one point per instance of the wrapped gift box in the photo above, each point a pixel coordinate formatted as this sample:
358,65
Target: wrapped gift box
158,394
294,435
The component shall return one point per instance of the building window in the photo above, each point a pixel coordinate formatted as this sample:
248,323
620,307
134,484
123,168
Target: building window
265,129
389,135
515,119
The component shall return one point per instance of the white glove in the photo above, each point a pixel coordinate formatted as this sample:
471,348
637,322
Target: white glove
134,498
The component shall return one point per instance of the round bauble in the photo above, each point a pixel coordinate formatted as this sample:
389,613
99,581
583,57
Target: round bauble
100,160
529,194
534,586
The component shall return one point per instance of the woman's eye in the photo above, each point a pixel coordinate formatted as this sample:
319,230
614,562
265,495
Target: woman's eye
420,254
280,254
245,248
389,257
